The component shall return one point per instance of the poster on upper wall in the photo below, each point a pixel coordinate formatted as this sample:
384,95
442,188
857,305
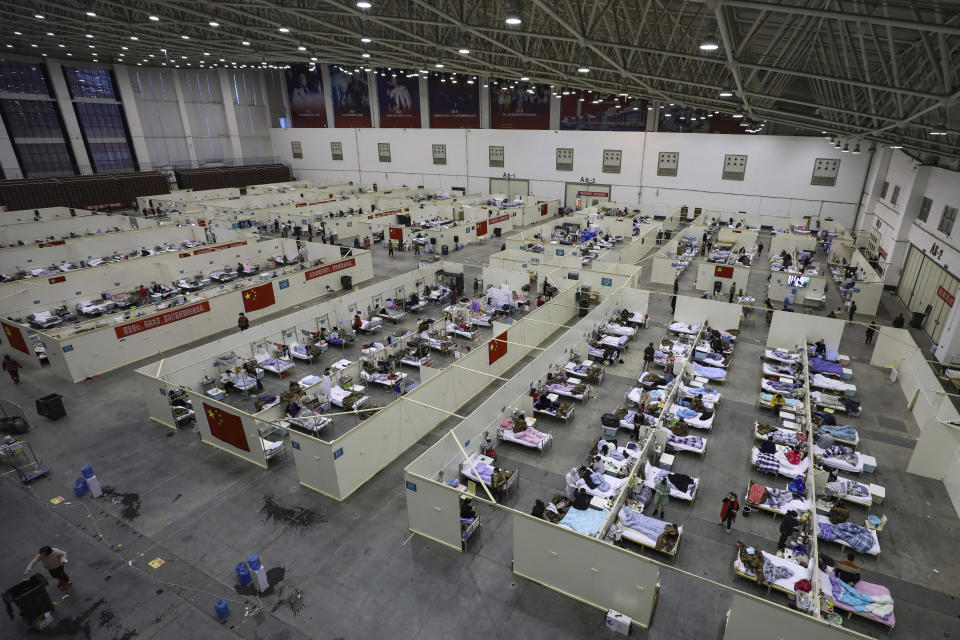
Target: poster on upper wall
519,106
305,92
398,94
586,111
454,104
350,93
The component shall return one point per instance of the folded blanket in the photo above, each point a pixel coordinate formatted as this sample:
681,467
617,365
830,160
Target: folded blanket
773,572
767,463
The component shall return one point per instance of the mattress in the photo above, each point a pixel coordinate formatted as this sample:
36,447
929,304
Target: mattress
786,469
864,587
270,447
873,551
799,572
615,485
778,355
695,421
588,521
650,474
339,365
508,435
682,327
308,381
639,537
837,463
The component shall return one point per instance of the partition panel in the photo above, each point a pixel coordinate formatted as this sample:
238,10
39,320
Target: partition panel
433,510
750,618
227,428
584,568
720,315
314,462
789,329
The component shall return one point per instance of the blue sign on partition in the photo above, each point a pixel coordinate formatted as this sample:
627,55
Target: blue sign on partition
606,282
560,252
338,453
295,445
412,486
163,391
67,348
284,284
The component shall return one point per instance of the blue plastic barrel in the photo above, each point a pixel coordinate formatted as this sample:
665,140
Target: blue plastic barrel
254,561
222,610
87,471
243,573
80,487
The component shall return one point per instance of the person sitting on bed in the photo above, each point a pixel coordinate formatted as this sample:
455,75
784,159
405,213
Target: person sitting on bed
357,322
768,446
597,464
587,476
581,500
608,451
820,348
825,440
467,511
776,402
847,570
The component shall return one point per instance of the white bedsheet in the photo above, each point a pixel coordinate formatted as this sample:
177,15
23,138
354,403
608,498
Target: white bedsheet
650,474
787,470
837,463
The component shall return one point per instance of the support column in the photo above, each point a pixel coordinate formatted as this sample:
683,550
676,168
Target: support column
484,104
128,102
185,119
653,117
230,113
74,136
555,106
327,94
425,102
372,97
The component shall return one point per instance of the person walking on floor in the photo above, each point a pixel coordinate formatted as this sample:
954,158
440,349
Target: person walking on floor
853,308
676,286
648,356
871,329
759,248
416,249
733,292
728,512
243,322
661,496
673,303
787,527
898,322
390,248
53,560
12,367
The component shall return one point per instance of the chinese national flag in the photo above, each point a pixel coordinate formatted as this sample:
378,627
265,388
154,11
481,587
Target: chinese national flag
226,426
259,297
498,347
14,337
482,228
723,272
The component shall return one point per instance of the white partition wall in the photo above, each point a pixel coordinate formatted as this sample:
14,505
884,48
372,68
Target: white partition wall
751,618
708,273
720,315
589,570
790,329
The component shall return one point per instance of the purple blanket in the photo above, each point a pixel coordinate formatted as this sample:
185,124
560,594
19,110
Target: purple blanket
819,365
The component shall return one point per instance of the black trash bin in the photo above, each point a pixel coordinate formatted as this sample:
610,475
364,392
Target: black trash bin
30,597
346,282
51,406
916,321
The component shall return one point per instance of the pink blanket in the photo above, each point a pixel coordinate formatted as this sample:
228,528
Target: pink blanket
531,435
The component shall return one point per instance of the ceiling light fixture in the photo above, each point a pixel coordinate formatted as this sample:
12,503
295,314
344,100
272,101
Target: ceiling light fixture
134,38
39,16
513,14
364,4
709,43
365,40
938,131
301,48
154,19
365,54
439,64
464,50
896,145
245,43
738,115
214,24
583,69
846,148
856,149
726,92
524,78
185,37
283,30
91,14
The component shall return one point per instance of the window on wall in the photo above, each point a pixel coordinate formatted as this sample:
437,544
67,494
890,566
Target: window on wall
883,189
947,219
895,195
924,211
40,160
31,118
23,77
111,156
90,83
100,119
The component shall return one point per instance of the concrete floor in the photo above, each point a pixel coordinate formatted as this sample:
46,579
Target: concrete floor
361,573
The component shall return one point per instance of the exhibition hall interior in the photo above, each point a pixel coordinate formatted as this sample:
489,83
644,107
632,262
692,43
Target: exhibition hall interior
423,319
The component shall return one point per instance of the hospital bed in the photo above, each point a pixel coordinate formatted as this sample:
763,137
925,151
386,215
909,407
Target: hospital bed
853,463
646,530
432,340
791,405
348,399
778,369
392,313
636,319
682,328
786,387
370,326
613,487
821,381
649,379
777,463
695,444
271,448
223,277
778,501
241,380
586,370
716,374
530,438
655,397
709,397
570,388
652,475
849,490
470,332
416,358
782,356
589,522
301,351
613,328
785,584
602,352
781,435
867,536
693,418
273,365
388,380
550,405
308,421
618,342
844,431
865,594
439,295
415,307
710,359
43,320
485,466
